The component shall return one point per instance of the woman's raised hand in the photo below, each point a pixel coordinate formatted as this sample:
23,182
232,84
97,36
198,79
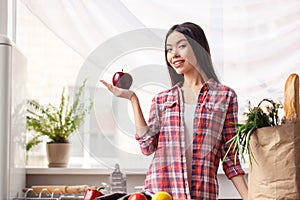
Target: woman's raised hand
119,92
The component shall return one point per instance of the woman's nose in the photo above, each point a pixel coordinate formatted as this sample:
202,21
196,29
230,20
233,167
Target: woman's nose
175,53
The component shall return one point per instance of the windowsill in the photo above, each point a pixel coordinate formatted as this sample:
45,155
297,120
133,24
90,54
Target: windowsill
93,171
79,171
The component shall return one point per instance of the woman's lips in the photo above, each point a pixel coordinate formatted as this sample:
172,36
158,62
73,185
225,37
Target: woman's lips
178,63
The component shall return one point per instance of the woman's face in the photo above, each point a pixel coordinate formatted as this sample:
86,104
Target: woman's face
180,54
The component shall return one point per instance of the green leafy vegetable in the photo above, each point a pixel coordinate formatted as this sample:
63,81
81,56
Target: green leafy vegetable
256,118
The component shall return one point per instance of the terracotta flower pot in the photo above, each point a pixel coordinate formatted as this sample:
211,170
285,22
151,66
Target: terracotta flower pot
58,154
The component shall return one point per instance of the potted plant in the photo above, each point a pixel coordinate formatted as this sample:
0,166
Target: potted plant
56,123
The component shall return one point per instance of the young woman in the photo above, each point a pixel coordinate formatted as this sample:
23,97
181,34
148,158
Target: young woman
189,123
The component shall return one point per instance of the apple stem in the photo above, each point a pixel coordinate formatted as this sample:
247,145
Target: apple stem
122,70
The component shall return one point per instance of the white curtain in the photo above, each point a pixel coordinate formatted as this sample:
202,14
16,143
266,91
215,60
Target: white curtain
255,44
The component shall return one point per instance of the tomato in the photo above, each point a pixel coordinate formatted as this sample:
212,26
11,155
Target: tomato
137,196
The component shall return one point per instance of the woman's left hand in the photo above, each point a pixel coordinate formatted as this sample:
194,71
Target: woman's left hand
119,92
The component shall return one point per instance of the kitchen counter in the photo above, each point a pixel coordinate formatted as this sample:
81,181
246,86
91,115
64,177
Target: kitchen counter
96,176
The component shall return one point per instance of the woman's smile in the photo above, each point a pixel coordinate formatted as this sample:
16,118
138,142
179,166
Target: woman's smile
177,63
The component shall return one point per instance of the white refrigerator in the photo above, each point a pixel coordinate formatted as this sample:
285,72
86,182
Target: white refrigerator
12,119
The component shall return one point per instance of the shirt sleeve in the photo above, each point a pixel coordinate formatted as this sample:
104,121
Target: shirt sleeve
149,140
231,166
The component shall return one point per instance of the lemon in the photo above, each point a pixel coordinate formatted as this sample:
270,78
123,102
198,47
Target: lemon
161,196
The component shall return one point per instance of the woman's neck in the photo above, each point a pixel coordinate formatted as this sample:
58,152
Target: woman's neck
194,78
192,84
191,91
193,81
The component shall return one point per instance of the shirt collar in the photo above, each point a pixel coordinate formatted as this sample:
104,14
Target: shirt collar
210,84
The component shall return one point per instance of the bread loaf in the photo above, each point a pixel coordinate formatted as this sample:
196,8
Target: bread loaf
76,189
49,189
60,189
291,98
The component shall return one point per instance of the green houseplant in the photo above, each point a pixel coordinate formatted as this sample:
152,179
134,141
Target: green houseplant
56,123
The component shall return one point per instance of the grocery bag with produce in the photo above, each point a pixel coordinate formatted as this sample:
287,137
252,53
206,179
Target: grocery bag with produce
273,146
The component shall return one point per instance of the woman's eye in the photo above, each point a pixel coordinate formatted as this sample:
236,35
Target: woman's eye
169,50
182,46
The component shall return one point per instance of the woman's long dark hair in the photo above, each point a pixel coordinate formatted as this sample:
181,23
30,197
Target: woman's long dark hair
197,39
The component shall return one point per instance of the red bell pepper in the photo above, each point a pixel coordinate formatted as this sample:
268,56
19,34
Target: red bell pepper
91,194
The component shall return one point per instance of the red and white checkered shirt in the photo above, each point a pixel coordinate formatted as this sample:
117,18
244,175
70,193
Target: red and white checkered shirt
216,110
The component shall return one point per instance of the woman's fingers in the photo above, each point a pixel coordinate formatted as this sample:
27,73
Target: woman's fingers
119,92
105,83
110,87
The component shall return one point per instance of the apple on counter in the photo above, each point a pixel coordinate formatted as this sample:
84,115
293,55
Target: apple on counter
122,80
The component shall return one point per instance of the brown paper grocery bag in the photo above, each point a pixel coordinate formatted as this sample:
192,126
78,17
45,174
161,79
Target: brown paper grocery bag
274,172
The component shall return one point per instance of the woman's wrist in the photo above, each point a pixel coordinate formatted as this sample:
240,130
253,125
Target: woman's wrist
133,98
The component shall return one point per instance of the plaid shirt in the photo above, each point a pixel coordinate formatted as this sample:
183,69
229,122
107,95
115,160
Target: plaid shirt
216,109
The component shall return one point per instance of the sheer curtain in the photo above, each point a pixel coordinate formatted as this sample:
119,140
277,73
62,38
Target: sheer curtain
254,44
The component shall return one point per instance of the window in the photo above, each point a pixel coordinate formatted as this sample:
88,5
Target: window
247,42
101,142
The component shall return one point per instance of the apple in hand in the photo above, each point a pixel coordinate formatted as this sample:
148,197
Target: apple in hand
122,80
137,196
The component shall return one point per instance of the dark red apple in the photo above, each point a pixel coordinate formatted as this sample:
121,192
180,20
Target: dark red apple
122,80
137,196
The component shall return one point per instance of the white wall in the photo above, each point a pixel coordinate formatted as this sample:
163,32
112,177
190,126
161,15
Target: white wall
3,17
7,18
